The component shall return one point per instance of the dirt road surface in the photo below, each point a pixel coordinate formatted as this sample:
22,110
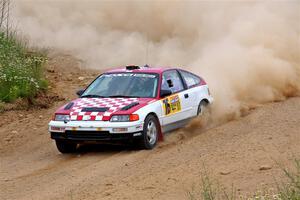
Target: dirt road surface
232,153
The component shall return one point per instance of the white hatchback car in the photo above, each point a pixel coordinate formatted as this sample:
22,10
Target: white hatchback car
134,103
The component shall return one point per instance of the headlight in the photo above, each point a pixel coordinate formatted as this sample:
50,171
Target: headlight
124,118
62,118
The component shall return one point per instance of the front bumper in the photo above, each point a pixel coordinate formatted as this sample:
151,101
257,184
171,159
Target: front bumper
96,136
95,130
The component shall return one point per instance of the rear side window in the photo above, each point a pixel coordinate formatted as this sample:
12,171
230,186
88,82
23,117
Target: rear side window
190,79
172,81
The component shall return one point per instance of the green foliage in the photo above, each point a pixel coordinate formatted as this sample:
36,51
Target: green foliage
211,190
291,191
20,71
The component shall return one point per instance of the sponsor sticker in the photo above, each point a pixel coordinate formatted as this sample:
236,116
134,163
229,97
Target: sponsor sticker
171,105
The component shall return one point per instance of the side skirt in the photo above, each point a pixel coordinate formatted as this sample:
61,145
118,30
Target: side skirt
175,125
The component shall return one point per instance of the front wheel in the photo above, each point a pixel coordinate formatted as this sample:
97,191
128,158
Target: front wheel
65,146
150,133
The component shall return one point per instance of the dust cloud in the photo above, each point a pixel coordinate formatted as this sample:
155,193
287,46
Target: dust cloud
248,52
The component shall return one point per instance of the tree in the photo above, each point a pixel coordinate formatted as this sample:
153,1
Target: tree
4,15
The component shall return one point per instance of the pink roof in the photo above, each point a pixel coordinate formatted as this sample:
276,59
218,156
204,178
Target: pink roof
158,70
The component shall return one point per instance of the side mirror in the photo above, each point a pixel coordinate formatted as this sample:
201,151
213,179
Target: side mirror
165,93
80,92
170,83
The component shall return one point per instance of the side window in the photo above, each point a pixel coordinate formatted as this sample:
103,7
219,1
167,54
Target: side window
172,81
190,79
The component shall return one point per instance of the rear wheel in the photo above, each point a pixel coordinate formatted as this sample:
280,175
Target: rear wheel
202,108
65,146
204,113
150,133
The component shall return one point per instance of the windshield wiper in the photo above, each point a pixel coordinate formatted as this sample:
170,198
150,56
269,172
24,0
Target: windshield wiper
92,96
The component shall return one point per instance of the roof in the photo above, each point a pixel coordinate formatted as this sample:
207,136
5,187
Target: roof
158,70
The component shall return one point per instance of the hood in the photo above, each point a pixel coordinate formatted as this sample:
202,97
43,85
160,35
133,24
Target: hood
101,109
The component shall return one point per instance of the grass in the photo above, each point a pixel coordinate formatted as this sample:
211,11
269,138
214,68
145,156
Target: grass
211,189
21,71
292,189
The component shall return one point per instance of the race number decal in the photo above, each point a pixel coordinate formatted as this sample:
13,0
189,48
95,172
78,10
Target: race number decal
171,104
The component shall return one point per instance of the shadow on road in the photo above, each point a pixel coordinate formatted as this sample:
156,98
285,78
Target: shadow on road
104,148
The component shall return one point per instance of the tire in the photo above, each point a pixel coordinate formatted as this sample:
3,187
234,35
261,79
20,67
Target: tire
202,108
65,146
150,133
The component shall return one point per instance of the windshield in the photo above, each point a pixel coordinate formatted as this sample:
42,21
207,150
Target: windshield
123,85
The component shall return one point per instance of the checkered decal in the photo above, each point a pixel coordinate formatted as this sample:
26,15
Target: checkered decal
113,105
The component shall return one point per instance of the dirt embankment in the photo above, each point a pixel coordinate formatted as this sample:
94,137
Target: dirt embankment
32,168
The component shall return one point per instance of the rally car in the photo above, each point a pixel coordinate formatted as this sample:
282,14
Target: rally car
136,104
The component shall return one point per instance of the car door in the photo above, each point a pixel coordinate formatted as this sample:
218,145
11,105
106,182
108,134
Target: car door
191,82
175,106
